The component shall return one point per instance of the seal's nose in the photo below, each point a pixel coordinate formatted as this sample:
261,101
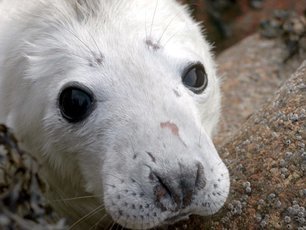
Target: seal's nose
175,190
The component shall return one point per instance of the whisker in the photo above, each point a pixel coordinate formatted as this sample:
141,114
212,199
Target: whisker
154,220
167,27
200,137
110,185
65,28
117,221
137,182
153,18
221,195
213,202
62,50
96,44
214,180
113,176
132,145
98,222
171,38
93,212
125,223
79,39
146,29
221,162
140,185
69,205
126,193
75,198
142,224
112,225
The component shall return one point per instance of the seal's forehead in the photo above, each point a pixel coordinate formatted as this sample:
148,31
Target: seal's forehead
149,21
77,33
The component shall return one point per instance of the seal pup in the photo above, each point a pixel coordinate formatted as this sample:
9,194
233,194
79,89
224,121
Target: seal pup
118,101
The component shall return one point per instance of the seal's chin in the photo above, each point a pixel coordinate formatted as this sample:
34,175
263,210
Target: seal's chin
177,218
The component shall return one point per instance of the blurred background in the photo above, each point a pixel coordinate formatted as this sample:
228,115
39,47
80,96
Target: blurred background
229,21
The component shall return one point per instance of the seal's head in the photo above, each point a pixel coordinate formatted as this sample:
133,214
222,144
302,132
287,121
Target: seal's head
118,99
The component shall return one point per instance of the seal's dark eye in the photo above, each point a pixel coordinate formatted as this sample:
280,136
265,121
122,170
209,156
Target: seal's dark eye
195,78
76,103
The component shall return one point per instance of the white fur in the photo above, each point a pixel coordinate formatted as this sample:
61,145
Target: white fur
46,44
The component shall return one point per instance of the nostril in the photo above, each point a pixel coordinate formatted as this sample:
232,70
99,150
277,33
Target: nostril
179,191
187,192
160,193
192,182
164,190
164,185
200,181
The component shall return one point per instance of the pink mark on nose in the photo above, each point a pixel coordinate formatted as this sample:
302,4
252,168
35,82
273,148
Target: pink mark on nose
169,125
173,128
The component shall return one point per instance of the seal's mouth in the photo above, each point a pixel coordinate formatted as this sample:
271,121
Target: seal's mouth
176,218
